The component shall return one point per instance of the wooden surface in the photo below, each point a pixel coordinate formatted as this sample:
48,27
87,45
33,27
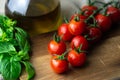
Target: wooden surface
103,60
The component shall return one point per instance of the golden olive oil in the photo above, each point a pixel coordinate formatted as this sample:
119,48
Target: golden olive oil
37,18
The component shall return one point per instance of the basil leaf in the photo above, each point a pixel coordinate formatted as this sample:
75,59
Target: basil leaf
1,32
21,32
20,39
10,69
7,26
6,47
7,23
26,47
1,57
26,51
14,48
23,55
29,69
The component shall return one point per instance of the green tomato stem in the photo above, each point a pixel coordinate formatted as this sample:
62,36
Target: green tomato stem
56,38
89,2
97,11
98,2
76,18
66,20
105,12
79,49
62,57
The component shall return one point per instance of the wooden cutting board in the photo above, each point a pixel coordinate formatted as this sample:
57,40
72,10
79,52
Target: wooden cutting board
103,61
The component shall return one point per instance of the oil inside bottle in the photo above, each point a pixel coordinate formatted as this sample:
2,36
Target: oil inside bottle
35,16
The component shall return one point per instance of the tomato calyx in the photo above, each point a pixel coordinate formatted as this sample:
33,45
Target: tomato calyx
90,3
56,38
62,57
66,20
79,50
76,18
81,14
88,38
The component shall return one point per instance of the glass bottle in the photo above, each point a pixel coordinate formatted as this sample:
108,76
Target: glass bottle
35,16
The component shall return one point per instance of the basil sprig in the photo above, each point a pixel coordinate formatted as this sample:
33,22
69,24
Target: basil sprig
14,49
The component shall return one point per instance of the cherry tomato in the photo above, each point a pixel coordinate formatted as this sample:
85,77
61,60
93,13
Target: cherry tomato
64,32
81,17
76,59
94,34
77,41
104,22
58,65
114,14
56,47
76,27
89,9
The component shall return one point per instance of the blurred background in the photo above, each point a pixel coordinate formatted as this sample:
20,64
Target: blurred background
68,7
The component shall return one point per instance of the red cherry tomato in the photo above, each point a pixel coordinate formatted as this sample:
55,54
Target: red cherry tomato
76,59
114,14
77,41
81,17
56,47
94,34
104,22
58,65
89,9
76,27
64,32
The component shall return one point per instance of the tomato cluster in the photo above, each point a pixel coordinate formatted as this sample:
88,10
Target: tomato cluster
82,30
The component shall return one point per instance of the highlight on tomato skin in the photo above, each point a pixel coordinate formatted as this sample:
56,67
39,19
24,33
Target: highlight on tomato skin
76,27
76,59
59,66
56,48
77,41
64,32
114,14
103,22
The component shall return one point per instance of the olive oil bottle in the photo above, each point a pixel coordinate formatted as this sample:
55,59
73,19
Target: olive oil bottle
35,16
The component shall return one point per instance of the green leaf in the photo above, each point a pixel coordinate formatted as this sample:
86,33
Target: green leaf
21,32
24,46
23,55
7,28
1,32
26,51
7,23
22,41
10,69
6,47
21,37
1,57
29,69
14,48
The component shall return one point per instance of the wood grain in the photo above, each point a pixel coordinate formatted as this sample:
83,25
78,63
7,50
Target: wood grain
103,59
